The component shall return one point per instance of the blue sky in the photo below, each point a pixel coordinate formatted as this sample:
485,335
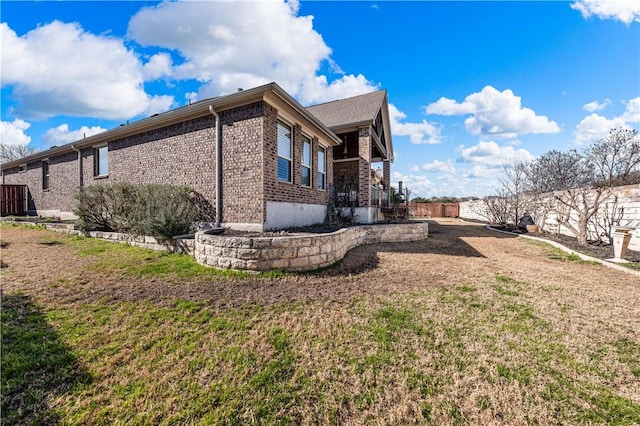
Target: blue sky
472,86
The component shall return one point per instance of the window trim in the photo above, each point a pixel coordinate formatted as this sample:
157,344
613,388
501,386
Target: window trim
22,168
322,168
96,161
306,140
46,177
278,157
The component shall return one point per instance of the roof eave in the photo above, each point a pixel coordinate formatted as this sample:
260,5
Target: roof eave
288,99
195,110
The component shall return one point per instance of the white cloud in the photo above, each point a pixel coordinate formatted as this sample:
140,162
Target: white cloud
478,181
446,106
596,106
491,154
419,185
632,112
626,11
60,69
13,132
419,133
61,135
482,171
595,127
158,66
231,45
437,166
318,89
494,113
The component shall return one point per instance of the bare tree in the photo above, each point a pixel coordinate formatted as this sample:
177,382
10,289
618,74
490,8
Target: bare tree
15,152
616,158
495,208
514,186
604,222
571,178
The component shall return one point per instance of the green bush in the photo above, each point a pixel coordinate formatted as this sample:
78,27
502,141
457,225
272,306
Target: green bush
161,211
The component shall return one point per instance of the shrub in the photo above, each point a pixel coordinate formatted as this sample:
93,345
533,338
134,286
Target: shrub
161,211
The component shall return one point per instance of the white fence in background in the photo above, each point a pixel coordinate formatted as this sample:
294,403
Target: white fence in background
628,206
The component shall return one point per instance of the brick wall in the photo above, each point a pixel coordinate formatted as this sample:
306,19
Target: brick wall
364,186
180,154
63,183
286,192
184,154
242,161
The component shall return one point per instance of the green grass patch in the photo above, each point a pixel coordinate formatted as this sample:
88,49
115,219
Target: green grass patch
487,347
36,363
109,257
555,253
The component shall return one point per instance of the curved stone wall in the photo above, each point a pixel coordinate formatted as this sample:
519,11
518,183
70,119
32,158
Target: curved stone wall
299,252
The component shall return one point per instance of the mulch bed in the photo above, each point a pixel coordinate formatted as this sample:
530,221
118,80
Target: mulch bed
594,248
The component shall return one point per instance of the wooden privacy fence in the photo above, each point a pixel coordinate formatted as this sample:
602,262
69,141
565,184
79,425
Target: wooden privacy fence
13,200
434,209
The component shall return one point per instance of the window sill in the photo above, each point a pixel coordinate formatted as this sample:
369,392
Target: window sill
101,177
46,190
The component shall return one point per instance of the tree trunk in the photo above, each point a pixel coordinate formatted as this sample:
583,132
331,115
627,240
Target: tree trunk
583,232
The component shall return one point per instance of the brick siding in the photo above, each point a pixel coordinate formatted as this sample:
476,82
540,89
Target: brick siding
63,183
364,187
278,191
184,154
242,160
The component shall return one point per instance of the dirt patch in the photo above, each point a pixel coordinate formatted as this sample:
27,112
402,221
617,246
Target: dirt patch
39,264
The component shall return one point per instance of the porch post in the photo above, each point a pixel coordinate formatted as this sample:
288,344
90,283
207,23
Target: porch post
386,172
364,184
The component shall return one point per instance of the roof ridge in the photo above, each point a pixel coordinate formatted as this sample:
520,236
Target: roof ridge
350,97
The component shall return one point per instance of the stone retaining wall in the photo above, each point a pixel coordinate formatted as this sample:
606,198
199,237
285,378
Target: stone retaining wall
182,245
300,252
290,253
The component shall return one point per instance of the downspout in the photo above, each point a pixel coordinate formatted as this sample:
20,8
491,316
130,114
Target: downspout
218,168
80,179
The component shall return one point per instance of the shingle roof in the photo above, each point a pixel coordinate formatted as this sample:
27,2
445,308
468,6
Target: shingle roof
357,109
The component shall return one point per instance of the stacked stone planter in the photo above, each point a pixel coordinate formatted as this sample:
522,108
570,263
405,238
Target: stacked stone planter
298,252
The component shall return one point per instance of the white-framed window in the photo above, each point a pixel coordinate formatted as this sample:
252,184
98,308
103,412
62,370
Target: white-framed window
322,167
305,168
285,151
101,161
22,168
45,174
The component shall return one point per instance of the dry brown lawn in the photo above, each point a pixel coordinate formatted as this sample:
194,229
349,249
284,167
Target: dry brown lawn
466,327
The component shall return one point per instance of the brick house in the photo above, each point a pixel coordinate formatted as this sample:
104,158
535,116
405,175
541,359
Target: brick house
276,167
362,124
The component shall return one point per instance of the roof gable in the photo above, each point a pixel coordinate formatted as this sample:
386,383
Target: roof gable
350,111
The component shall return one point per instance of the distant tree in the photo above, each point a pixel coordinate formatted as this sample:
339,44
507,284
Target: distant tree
15,152
419,200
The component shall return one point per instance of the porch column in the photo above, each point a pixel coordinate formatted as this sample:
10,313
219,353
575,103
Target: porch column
364,181
386,172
